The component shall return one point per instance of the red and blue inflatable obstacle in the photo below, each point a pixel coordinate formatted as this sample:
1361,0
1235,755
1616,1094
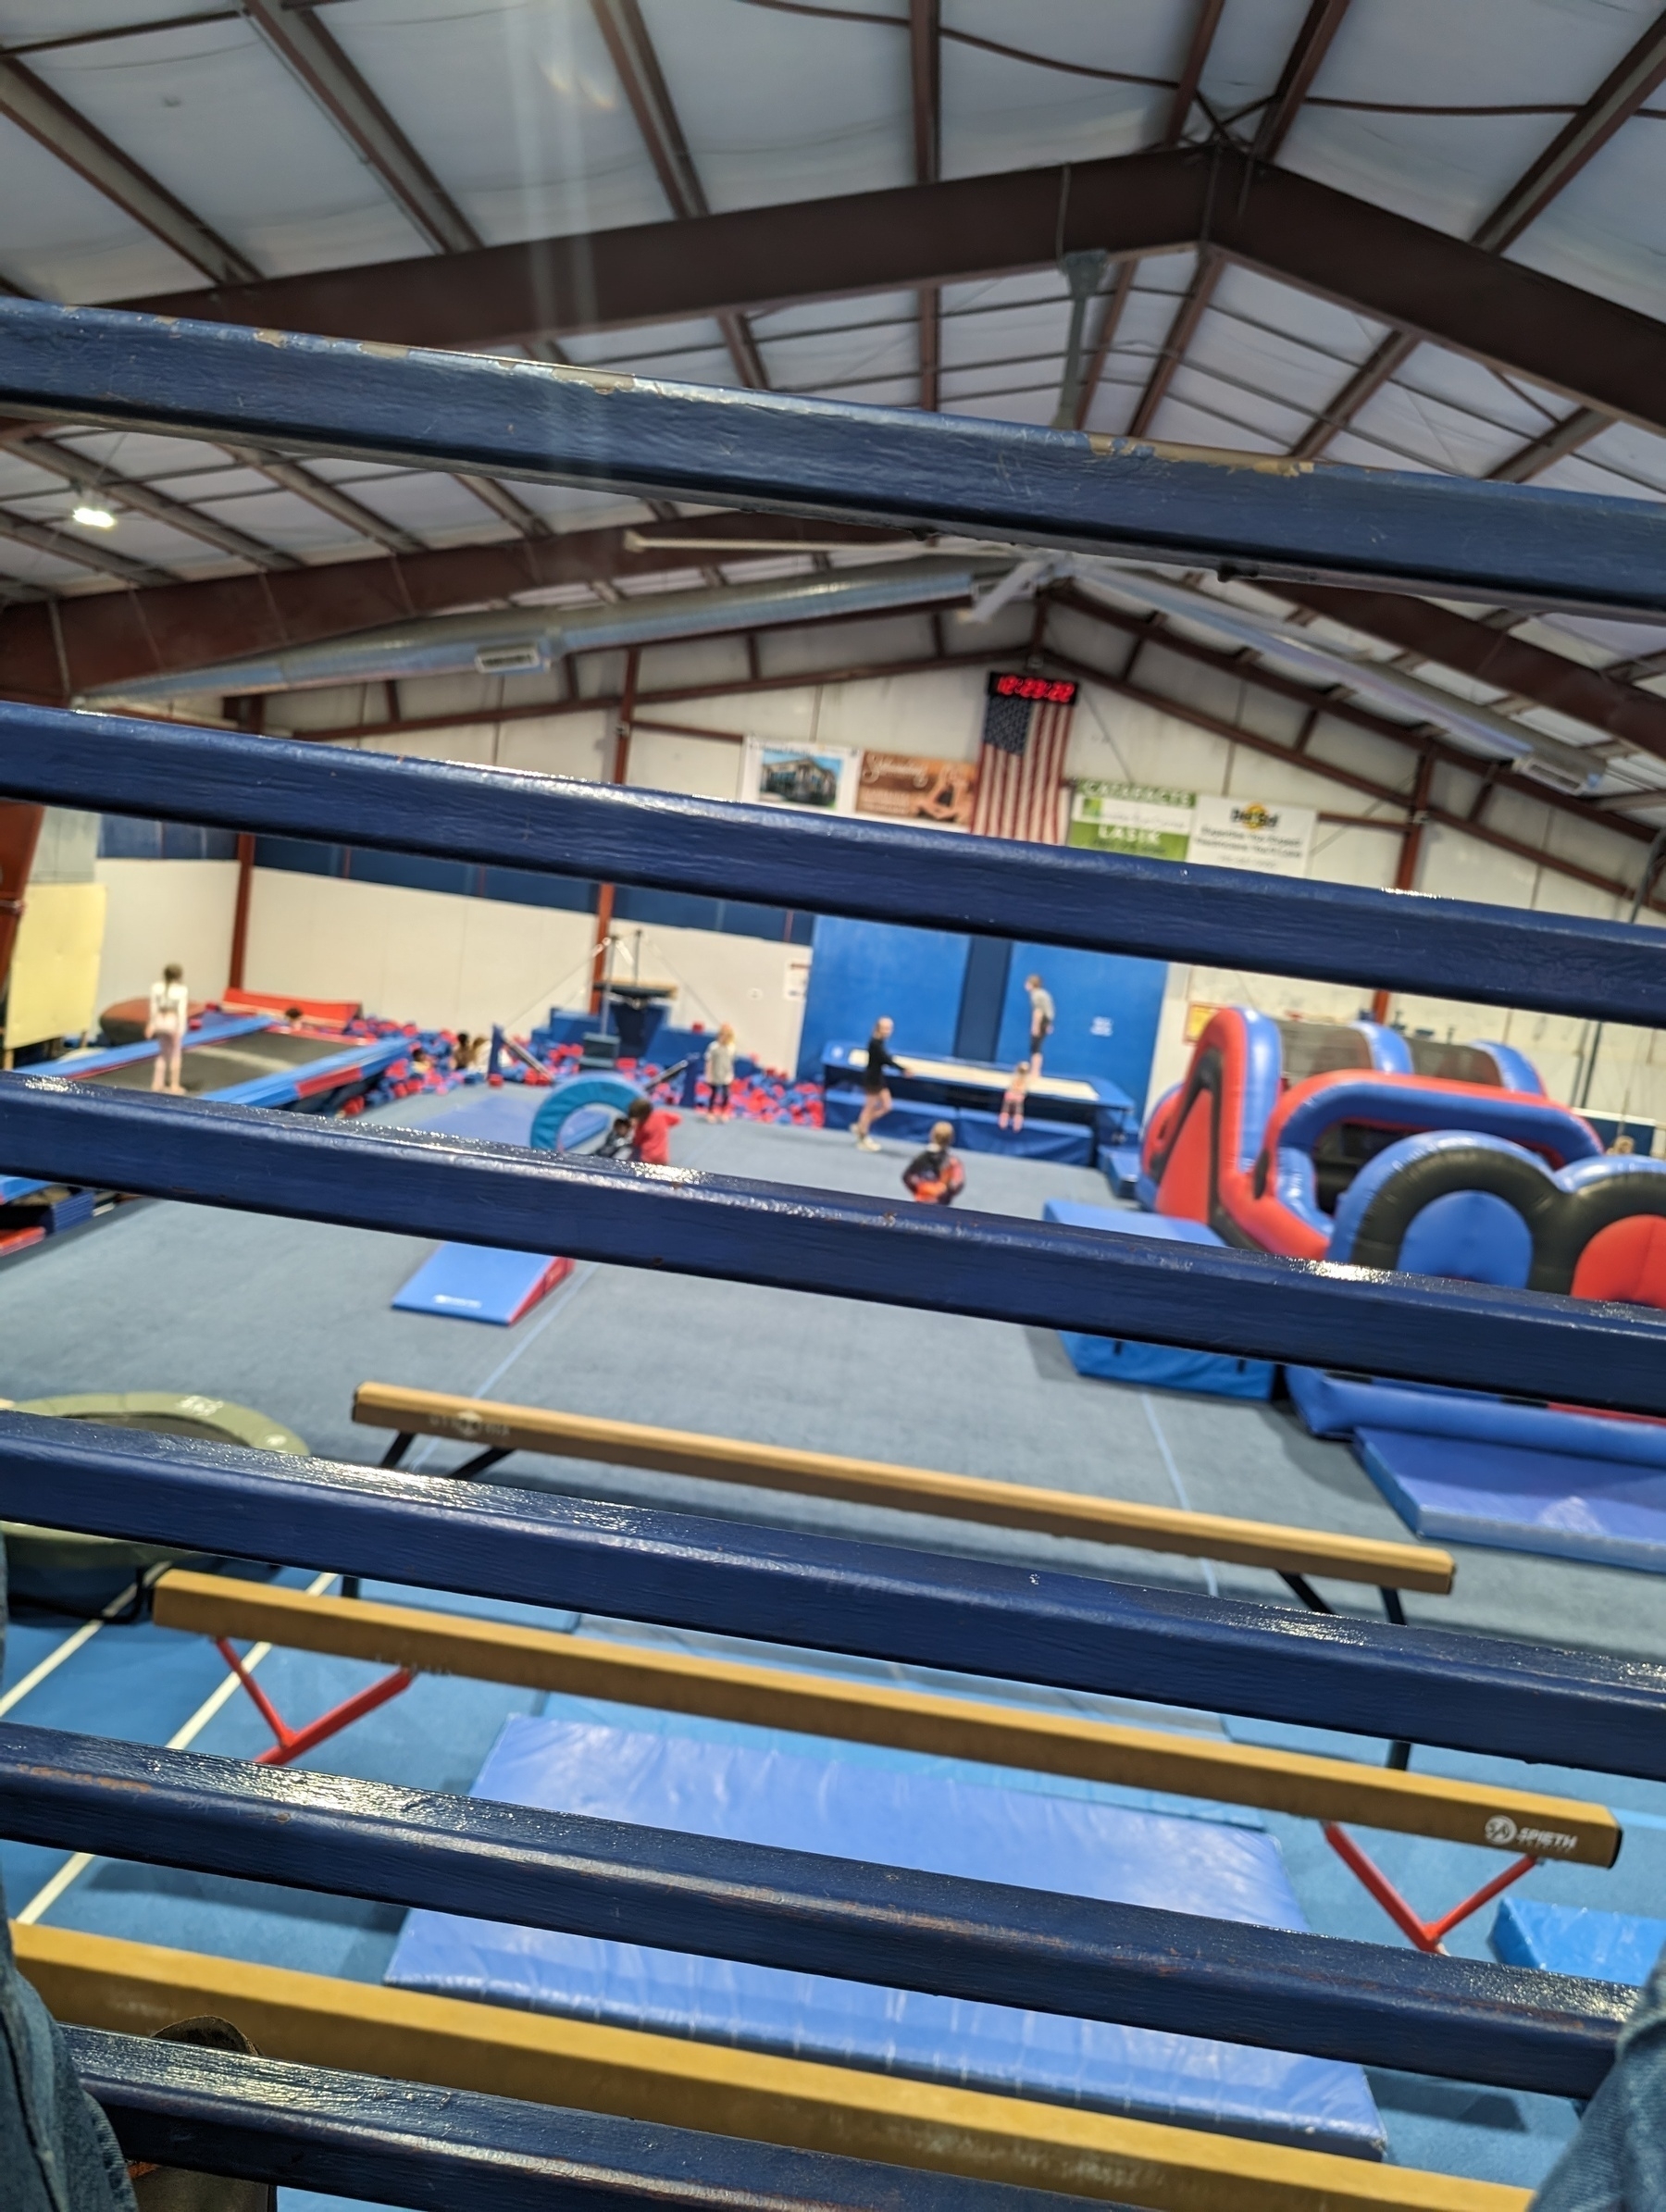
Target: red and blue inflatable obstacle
1350,1142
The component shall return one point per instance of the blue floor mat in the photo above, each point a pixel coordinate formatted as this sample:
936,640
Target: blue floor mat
1158,1366
1465,1492
474,1282
1572,1939
899,1813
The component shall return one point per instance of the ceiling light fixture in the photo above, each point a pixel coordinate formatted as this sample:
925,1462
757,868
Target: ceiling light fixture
95,518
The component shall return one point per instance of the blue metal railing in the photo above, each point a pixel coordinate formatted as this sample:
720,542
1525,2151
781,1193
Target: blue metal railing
994,480
1471,1692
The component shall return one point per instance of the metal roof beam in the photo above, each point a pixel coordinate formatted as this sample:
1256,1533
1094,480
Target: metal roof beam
1492,656
926,88
314,57
631,50
63,547
1384,266
1181,332
1550,446
1313,43
36,109
1613,104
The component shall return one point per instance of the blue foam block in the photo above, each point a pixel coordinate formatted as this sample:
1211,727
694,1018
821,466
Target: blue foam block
1120,1166
1159,1366
1575,1939
755,1786
473,1282
1335,1405
1464,1492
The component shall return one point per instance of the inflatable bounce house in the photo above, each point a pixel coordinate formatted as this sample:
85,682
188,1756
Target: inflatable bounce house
1352,1142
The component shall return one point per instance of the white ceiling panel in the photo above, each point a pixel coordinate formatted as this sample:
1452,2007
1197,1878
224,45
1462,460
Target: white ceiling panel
213,116
139,454
651,348
285,521
1302,379
29,566
1300,317
1631,453
1231,397
1003,113
427,505
515,108
1189,420
64,241
1575,473
862,357
780,107
1427,430
815,319
21,478
1607,232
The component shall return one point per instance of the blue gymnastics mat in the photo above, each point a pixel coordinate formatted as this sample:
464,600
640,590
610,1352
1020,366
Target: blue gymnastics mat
896,1810
1575,1939
1335,1405
474,1282
1466,1492
1159,1366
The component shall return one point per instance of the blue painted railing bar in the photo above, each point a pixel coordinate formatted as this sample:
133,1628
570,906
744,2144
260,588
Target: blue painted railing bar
1442,1686
447,2150
985,1942
1111,902
1000,481
1045,1274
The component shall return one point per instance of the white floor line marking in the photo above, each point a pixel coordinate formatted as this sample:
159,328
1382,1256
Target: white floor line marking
47,1895
554,1307
1210,1582
65,1650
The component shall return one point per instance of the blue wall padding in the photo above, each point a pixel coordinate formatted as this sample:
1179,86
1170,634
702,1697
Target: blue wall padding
1157,1366
909,1120
861,970
983,997
1335,1405
1108,1009
472,1282
755,1786
1472,1234
1512,1500
1578,1939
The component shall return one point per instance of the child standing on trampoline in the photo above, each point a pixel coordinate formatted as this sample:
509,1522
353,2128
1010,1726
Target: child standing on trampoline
169,1012
1043,1018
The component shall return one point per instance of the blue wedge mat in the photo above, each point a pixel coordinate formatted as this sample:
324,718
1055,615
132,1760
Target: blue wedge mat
1335,1405
1575,1939
1464,1492
898,1812
1159,1366
474,1282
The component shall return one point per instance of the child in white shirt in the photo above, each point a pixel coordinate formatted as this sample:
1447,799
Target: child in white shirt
170,1011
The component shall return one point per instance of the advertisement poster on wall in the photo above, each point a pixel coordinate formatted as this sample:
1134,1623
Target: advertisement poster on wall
1163,825
905,787
817,779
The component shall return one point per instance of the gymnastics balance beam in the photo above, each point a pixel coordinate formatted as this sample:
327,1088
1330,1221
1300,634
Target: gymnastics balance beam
714,2089
1185,1766
502,1429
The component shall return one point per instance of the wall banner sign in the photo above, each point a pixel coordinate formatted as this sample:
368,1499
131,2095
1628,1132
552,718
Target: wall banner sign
1163,824
820,779
905,787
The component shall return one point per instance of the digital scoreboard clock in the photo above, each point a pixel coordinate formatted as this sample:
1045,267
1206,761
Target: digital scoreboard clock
1047,691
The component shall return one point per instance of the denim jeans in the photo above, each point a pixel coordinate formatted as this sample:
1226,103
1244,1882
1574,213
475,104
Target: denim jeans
1617,2162
56,2151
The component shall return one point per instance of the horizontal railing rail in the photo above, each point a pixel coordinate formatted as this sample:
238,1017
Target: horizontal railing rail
1048,1275
984,1942
1432,1686
827,458
399,2143
1045,894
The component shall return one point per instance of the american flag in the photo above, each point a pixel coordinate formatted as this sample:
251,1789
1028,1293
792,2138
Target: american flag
1021,768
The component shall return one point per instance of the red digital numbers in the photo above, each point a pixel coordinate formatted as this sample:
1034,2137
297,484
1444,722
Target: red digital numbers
1048,690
